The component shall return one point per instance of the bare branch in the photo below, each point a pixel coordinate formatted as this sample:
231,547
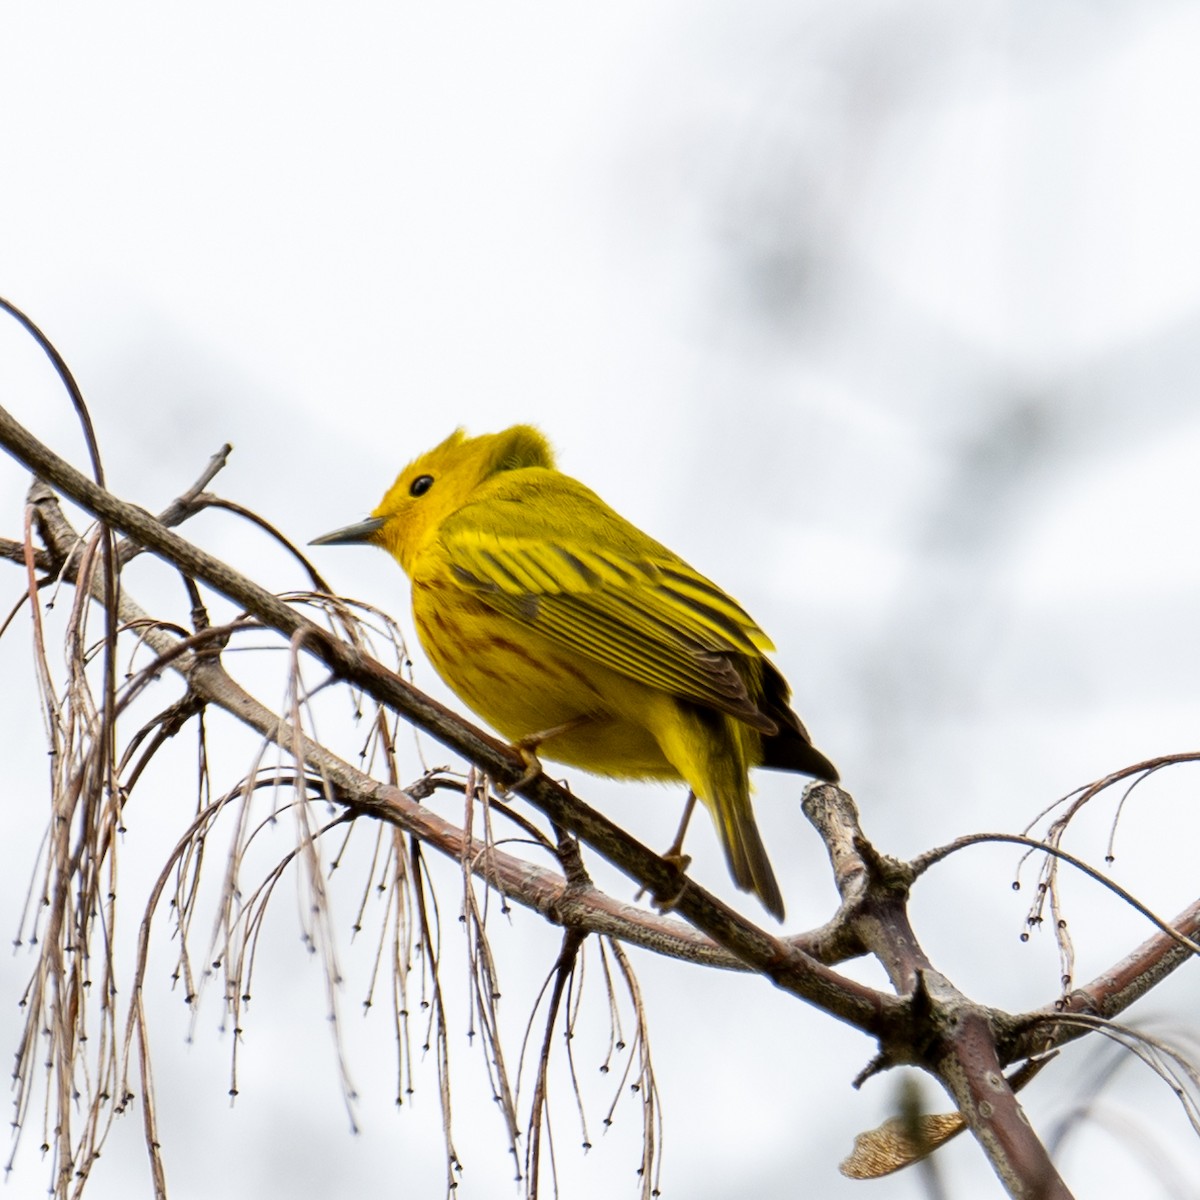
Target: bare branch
1110,993
924,861
970,1070
929,1023
855,1003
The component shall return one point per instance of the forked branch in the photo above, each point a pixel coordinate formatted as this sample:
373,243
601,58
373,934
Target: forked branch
927,1022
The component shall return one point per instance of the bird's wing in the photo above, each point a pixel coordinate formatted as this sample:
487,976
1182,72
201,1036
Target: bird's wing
638,610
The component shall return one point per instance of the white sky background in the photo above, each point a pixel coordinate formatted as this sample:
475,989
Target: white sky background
885,316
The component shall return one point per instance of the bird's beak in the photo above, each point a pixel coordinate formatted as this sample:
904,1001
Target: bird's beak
364,531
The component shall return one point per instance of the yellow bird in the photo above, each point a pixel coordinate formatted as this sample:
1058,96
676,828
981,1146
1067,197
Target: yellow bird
573,633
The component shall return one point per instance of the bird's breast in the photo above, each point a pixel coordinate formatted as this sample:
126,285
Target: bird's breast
522,684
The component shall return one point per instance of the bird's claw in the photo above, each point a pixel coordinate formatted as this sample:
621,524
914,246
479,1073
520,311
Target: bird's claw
527,748
680,862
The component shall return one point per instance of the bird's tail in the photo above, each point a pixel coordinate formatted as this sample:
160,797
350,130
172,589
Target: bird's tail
728,799
713,752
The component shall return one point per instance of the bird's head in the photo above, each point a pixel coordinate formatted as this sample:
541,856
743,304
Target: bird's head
437,484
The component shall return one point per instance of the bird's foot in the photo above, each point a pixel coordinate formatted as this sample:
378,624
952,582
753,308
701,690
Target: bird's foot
680,862
527,748
675,856
674,852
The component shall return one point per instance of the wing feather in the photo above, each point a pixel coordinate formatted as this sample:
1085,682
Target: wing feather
632,606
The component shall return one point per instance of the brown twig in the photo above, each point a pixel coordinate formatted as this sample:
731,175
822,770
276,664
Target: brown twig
950,1035
929,1023
791,969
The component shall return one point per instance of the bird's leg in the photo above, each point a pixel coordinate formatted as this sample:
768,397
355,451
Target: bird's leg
527,748
674,852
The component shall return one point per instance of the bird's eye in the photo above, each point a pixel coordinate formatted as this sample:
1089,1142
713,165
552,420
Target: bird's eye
420,485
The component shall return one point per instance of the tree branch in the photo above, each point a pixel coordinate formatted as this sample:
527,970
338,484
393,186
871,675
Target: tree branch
928,1024
1109,994
789,967
948,1034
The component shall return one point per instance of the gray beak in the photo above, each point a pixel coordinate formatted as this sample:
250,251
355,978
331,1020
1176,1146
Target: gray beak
351,534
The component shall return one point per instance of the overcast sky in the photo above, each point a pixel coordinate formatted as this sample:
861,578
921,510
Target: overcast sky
884,316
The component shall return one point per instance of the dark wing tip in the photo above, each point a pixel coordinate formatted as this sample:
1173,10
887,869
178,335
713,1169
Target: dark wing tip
788,751
789,747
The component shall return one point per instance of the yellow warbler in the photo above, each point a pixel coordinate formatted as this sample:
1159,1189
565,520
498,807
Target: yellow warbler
569,630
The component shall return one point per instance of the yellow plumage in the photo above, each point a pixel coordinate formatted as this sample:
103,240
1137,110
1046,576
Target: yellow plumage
542,607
